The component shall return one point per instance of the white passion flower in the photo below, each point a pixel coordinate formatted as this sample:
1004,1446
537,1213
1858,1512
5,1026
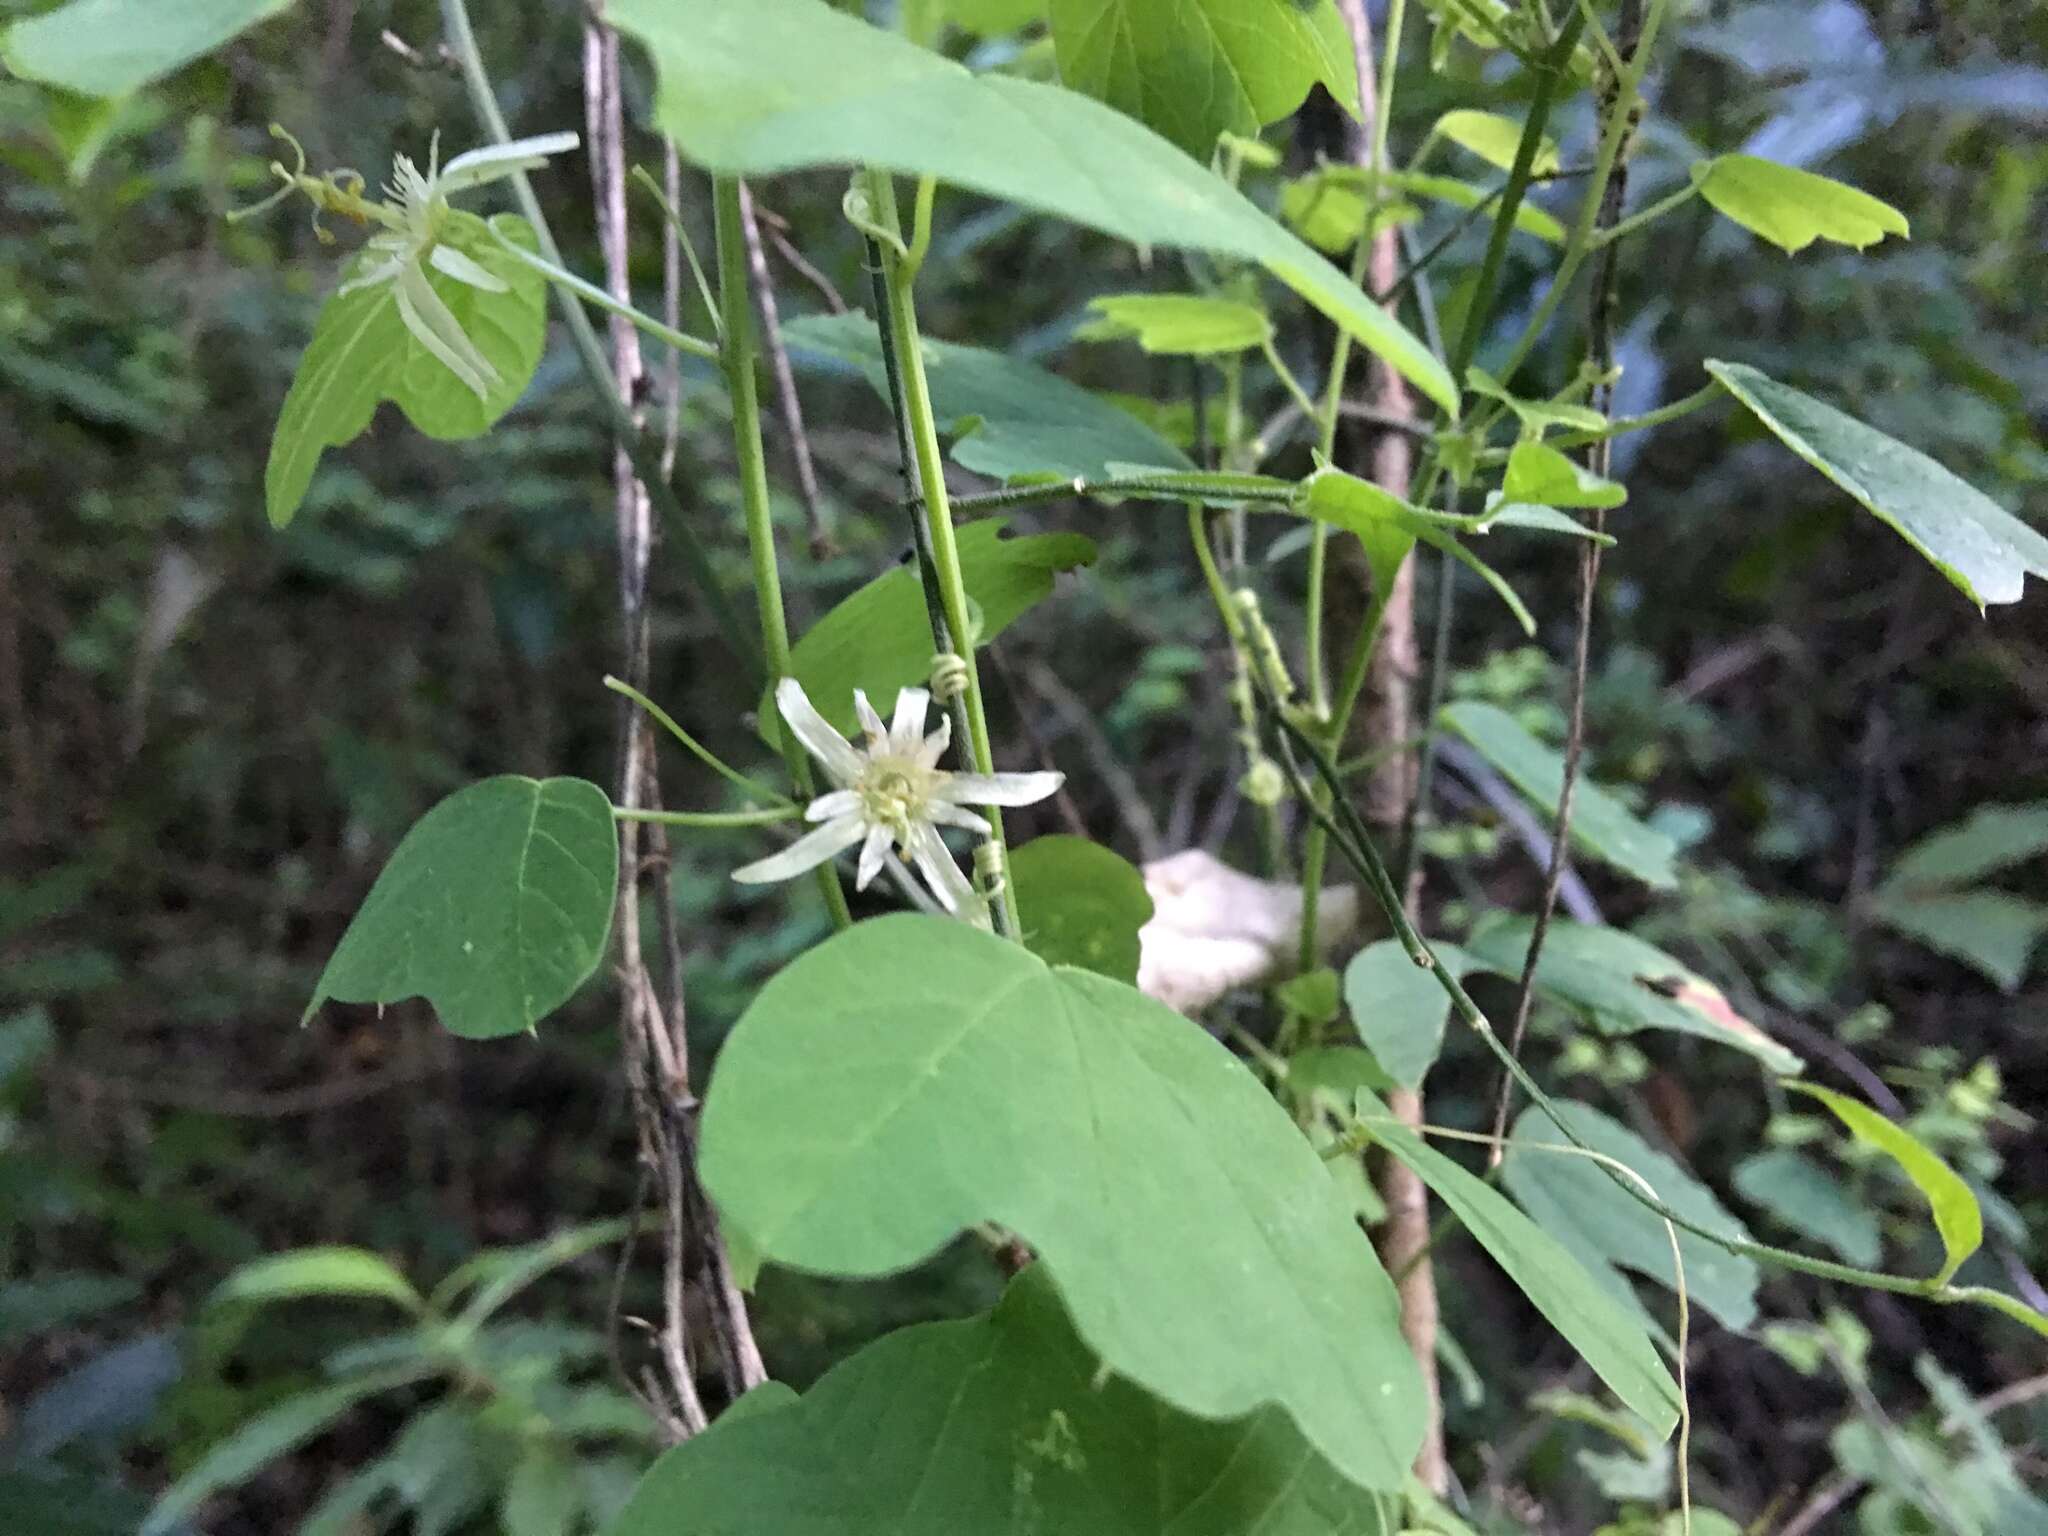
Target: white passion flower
413,218
891,790
413,213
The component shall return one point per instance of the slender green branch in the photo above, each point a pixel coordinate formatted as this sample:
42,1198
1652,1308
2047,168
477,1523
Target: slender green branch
654,190
736,309
1643,216
761,818
591,294
694,747
1208,488
919,425
1554,68
1287,379
590,352
1621,426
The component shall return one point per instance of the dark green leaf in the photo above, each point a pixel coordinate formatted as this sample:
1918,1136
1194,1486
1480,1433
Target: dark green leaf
54,1298
1601,825
1974,542
112,47
1994,837
1164,1190
1610,1336
269,1435
1623,985
1008,417
1399,1008
1988,930
1005,1422
361,353
779,85
1082,905
1196,69
1811,1201
879,637
1574,1200
495,907
542,1497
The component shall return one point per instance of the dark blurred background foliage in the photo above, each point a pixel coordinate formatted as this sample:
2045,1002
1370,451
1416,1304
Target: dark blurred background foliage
212,734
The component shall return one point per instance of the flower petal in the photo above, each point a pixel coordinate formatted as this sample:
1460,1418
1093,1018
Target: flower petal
935,744
906,731
997,788
435,327
878,734
474,167
466,269
807,852
371,276
944,815
816,733
935,862
840,802
871,854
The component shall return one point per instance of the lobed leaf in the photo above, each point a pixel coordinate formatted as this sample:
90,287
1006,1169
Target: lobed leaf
1166,1192
1792,208
1005,1422
781,85
362,353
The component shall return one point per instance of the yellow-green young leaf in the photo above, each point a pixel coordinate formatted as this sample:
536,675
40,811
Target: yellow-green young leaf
1005,1422
319,1272
1179,324
112,47
1192,70
779,85
1538,473
1609,1335
1956,1214
1793,208
1601,824
1168,1196
1082,905
1494,139
1973,541
362,353
495,907
1008,417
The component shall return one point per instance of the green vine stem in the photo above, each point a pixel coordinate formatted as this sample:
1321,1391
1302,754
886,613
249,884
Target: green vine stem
737,326
644,452
918,430
1349,835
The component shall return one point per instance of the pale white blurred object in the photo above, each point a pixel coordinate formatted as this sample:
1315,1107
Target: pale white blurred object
1214,928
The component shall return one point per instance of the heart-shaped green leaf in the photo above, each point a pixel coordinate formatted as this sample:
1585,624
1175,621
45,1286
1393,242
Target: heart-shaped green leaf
1538,473
1005,1422
1082,905
778,85
362,353
1193,70
112,47
495,907
913,1077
